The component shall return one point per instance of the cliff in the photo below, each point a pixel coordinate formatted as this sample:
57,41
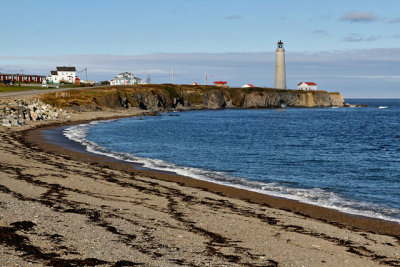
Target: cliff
180,97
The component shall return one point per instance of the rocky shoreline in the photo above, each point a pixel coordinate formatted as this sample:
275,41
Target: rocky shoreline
158,98
16,112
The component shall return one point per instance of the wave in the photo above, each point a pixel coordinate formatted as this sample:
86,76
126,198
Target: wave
315,196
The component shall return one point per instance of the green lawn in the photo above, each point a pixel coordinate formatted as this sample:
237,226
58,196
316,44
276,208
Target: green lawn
17,88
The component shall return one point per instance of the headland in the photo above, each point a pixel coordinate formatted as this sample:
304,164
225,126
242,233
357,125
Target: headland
180,97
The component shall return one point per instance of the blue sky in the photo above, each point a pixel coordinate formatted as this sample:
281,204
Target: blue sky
348,46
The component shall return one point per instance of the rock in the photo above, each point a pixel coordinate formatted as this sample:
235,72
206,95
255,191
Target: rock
14,122
213,99
34,116
5,122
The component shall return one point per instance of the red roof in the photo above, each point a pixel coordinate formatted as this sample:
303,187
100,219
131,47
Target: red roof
280,42
220,82
248,85
195,84
309,83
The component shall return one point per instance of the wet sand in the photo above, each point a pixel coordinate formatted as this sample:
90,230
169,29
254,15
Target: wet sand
60,206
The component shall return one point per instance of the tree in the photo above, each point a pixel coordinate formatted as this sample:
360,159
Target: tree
104,83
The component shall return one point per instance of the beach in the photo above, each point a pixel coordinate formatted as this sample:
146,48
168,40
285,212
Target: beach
62,207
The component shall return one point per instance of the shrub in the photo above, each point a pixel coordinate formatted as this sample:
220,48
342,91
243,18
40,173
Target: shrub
172,91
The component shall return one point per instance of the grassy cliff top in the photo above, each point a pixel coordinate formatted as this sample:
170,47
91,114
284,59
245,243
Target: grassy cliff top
77,97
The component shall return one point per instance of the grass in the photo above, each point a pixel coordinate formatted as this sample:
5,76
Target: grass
171,90
77,97
194,99
17,88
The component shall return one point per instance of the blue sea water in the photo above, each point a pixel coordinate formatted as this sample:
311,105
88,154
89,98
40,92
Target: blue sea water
342,158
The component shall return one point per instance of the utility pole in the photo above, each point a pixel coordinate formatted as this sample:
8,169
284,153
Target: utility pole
86,74
172,75
132,82
206,78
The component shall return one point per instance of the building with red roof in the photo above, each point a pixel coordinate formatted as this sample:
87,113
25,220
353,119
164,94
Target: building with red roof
307,86
221,83
247,85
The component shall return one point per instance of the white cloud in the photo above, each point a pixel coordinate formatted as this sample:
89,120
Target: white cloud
320,32
359,17
234,17
395,77
355,37
397,20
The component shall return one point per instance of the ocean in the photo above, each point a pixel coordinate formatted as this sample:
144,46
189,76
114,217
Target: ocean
346,159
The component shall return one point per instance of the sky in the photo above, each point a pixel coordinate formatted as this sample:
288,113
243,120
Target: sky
352,47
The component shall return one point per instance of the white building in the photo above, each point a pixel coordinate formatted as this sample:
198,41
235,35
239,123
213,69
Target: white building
62,75
307,86
280,69
125,78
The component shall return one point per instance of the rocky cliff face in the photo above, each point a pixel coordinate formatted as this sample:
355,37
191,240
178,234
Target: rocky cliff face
181,97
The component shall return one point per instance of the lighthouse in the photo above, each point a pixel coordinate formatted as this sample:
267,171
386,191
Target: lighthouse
280,72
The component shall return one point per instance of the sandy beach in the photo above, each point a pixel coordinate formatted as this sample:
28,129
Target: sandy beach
59,207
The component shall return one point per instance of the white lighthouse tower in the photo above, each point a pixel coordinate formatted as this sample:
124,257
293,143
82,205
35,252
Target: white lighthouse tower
280,72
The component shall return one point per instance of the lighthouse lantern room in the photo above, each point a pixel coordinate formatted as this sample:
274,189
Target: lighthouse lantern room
280,44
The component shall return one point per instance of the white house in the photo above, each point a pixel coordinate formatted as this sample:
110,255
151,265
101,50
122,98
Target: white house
247,85
307,86
125,78
62,75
